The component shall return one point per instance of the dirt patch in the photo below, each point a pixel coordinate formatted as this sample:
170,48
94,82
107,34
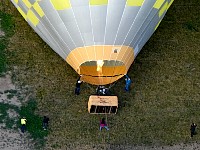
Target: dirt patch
6,83
2,33
11,139
193,146
12,113
6,88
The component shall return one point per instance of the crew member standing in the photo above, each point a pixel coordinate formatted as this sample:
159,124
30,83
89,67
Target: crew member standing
45,122
128,83
192,129
78,86
23,124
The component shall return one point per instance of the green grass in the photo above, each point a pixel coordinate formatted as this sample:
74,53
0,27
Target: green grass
34,122
163,101
2,57
7,25
4,118
11,91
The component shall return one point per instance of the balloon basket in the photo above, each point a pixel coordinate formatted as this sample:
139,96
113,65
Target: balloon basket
102,104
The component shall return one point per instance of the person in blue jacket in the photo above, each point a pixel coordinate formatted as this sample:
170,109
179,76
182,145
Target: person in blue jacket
128,83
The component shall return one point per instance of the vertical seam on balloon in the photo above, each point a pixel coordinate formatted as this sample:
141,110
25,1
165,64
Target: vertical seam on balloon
149,22
43,34
139,28
151,33
50,34
57,43
73,43
129,56
56,30
133,22
163,8
128,34
57,33
118,32
120,23
79,32
142,35
131,27
115,39
142,24
52,37
145,27
91,27
67,31
105,29
80,36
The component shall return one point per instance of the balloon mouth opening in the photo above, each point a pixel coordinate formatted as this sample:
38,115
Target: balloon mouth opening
102,72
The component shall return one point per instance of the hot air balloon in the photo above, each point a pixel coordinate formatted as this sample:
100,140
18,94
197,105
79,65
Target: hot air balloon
99,39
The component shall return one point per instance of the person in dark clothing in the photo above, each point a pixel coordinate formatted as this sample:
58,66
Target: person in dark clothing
78,86
102,90
45,122
192,129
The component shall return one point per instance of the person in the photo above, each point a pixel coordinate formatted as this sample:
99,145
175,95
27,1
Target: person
23,124
45,122
128,83
102,90
78,86
192,129
103,124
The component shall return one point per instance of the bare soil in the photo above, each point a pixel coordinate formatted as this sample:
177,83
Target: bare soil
11,139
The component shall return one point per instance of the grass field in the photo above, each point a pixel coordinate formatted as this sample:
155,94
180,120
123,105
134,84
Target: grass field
164,99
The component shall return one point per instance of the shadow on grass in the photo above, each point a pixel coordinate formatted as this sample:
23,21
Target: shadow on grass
191,26
34,123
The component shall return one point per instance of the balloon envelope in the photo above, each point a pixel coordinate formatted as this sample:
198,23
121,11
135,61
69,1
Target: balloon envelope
98,38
